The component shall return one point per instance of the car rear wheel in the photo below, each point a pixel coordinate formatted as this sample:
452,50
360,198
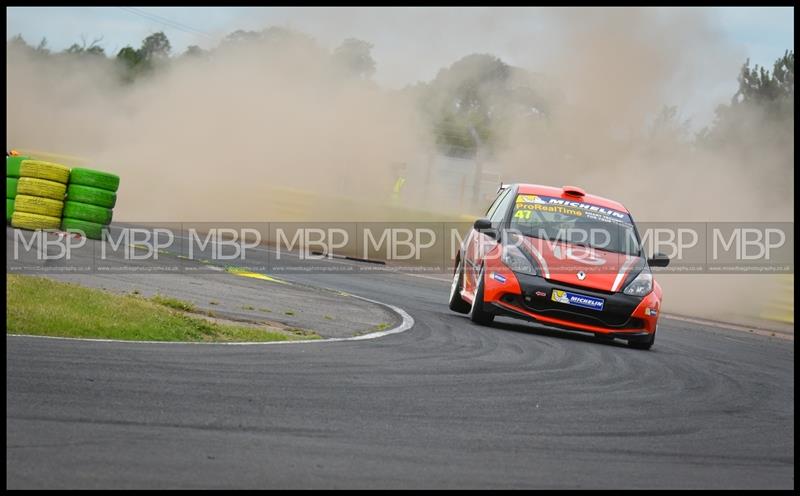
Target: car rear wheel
457,303
476,313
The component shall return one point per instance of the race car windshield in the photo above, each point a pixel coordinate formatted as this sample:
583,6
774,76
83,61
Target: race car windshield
575,222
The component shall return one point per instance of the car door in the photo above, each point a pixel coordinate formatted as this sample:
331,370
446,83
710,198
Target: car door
478,244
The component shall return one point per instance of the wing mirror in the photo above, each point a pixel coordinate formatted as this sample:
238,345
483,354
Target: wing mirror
658,260
484,226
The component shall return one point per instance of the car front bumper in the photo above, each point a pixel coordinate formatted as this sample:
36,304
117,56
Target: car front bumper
530,298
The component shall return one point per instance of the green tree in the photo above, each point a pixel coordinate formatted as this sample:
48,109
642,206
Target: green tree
758,86
131,63
155,46
470,102
355,57
240,36
761,109
134,63
195,51
42,48
17,41
92,49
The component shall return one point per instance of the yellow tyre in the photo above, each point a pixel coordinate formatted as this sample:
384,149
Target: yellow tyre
41,187
24,220
38,205
44,170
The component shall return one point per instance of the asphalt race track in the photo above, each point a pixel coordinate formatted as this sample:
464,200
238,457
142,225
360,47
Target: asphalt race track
446,404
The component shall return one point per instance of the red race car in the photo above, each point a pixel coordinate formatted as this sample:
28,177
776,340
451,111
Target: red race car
562,258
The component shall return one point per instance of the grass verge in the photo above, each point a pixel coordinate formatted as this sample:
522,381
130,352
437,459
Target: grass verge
40,306
173,303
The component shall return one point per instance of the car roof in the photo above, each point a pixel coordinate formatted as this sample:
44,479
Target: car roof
538,189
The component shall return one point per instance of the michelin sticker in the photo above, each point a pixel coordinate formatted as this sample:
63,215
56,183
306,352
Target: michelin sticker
577,300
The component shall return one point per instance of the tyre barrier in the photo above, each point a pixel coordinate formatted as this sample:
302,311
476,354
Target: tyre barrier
44,170
85,211
41,187
12,180
9,209
94,178
38,205
12,165
11,187
47,195
39,195
91,230
25,220
91,196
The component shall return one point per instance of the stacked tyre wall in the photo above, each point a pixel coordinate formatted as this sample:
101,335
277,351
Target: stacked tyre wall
39,199
47,195
12,180
91,197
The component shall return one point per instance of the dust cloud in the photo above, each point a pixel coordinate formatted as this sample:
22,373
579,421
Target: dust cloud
211,139
618,69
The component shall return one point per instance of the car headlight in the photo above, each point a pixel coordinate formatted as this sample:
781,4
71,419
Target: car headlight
640,286
516,260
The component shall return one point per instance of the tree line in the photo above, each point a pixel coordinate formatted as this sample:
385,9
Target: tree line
470,103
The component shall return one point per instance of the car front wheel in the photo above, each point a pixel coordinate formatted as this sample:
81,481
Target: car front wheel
477,313
645,344
457,303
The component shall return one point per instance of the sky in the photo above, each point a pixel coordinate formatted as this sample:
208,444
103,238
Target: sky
410,43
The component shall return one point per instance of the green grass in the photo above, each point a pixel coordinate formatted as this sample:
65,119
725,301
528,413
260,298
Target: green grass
45,307
175,303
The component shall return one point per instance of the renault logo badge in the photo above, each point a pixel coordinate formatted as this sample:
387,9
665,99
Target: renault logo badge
581,275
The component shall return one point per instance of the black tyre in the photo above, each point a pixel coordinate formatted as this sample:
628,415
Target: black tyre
477,313
645,344
457,303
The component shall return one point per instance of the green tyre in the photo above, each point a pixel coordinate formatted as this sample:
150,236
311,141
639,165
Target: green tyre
91,195
11,187
12,165
84,211
94,178
91,230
